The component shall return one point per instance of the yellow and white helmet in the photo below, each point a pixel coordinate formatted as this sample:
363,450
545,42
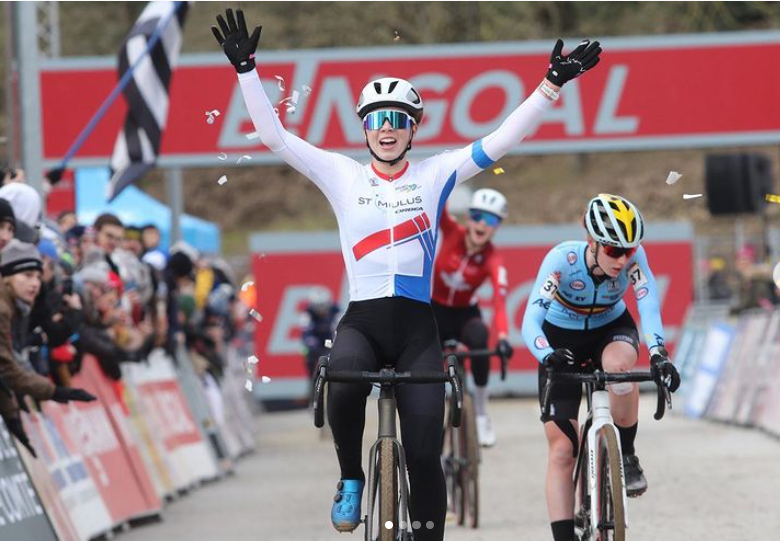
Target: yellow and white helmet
615,221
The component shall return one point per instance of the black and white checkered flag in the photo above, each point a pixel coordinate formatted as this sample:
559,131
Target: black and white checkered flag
138,145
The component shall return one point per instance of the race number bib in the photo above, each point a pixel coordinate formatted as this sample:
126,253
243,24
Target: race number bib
637,277
550,286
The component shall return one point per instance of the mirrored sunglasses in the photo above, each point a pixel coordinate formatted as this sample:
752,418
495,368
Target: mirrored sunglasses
398,120
481,216
616,253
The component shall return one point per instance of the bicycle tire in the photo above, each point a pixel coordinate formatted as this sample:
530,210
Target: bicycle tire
388,491
470,473
582,495
610,486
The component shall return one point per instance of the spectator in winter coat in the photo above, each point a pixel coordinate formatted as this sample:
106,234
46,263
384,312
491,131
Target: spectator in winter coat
21,268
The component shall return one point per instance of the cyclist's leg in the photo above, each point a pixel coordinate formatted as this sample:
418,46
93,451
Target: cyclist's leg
618,352
347,402
474,335
561,429
421,410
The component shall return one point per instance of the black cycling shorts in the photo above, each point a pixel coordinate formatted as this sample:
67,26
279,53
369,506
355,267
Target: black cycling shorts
586,345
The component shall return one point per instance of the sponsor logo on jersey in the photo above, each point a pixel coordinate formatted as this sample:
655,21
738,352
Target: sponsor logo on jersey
374,182
542,303
541,342
578,285
407,188
571,257
641,293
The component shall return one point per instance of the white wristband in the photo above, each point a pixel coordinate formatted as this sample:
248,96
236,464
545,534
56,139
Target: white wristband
549,92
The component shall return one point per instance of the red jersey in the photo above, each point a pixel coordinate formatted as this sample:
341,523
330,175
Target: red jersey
457,276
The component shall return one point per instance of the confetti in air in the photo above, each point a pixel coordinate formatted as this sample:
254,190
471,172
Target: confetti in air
222,180
673,177
280,83
266,379
306,90
255,314
771,198
222,156
211,115
691,195
498,171
253,135
328,344
248,385
252,359
397,36
244,158
247,285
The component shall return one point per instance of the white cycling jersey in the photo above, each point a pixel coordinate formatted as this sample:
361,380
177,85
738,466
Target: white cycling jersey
388,226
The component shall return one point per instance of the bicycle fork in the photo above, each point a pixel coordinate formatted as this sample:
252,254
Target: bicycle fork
602,418
387,430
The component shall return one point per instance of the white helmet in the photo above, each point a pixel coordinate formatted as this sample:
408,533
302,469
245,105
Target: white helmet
613,220
390,92
320,298
490,201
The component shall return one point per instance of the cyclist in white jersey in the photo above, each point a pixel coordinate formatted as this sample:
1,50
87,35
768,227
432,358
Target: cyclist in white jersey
388,213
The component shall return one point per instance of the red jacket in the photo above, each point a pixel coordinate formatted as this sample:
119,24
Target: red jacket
457,276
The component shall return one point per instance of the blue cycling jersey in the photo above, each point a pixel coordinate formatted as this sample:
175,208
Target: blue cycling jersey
566,296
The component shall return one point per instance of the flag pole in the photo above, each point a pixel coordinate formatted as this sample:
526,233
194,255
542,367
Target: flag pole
109,101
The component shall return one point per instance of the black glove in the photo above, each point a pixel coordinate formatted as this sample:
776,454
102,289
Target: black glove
16,428
563,69
65,394
663,369
505,349
559,359
235,40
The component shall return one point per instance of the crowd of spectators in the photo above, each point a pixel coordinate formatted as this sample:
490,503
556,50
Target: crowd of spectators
106,289
748,285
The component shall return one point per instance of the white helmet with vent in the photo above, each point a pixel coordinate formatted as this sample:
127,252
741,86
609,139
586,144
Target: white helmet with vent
491,201
390,92
614,220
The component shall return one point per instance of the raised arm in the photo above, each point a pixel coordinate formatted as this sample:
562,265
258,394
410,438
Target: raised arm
320,166
482,153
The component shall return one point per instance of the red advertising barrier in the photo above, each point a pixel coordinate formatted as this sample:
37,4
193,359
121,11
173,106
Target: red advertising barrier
639,97
97,430
165,408
289,265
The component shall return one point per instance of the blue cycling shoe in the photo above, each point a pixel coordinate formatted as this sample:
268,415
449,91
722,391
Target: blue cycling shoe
345,514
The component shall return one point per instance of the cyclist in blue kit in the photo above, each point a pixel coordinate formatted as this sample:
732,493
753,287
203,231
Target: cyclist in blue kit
388,212
576,313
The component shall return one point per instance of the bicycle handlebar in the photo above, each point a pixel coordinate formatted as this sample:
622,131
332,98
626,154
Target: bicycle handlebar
386,376
599,377
482,353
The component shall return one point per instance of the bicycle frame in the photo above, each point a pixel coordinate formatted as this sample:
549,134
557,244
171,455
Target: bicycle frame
386,379
387,430
599,416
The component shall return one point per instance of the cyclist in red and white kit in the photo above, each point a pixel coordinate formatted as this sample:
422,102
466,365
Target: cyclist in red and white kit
466,259
388,212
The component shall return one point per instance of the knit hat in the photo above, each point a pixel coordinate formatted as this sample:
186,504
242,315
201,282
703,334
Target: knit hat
179,265
19,257
7,212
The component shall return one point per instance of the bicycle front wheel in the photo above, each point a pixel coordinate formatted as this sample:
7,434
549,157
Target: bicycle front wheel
388,492
611,512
